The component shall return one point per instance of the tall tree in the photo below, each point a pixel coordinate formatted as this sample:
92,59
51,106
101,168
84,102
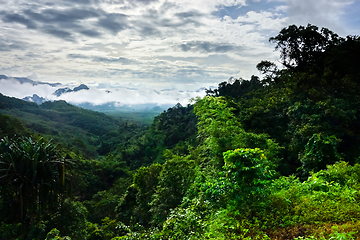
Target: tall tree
302,47
32,177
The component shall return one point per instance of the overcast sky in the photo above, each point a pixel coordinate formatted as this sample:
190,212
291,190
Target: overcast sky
156,44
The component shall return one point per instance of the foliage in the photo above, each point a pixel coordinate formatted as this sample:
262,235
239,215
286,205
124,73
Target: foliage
109,229
175,178
302,47
174,129
10,126
86,132
103,203
134,206
91,176
319,200
249,171
9,231
70,219
33,177
319,152
54,235
236,88
183,224
220,130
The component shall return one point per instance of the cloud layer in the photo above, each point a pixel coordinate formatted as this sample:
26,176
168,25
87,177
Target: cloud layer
153,44
99,94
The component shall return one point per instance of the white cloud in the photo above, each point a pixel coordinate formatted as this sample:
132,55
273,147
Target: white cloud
125,96
13,88
99,94
156,44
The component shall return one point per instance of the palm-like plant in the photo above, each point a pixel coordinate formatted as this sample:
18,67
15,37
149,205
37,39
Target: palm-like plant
32,176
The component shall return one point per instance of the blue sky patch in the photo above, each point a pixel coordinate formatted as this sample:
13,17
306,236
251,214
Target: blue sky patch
235,11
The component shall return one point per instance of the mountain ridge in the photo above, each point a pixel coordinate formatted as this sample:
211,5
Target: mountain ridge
100,98
23,80
68,125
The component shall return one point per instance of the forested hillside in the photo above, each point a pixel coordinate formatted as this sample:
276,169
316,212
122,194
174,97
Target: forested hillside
275,157
87,132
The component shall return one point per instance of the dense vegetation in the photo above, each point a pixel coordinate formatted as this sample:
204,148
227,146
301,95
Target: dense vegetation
270,158
92,133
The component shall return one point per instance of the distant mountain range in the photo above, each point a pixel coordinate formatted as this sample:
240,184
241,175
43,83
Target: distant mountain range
22,80
67,90
39,100
35,98
103,100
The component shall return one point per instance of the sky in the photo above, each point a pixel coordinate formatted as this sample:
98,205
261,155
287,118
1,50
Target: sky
154,44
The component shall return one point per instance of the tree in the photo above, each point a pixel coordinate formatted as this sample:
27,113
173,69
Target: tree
236,88
320,151
135,205
174,180
266,67
249,171
32,177
301,47
10,126
220,130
